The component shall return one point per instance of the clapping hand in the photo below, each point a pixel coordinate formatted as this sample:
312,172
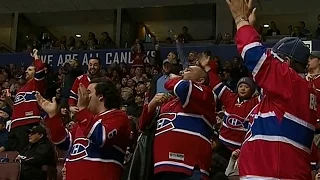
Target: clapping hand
49,107
83,97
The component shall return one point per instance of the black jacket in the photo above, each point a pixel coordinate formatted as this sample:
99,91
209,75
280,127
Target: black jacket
70,76
37,155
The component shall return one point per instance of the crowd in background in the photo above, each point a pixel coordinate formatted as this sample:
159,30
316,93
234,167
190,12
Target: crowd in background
104,41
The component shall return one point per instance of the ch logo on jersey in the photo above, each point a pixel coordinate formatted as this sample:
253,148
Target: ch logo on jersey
165,122
79,149
234,121
24,97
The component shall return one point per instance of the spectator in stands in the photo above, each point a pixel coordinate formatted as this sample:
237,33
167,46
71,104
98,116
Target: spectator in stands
169,40
36,155
93,72
302,27
80,45
138,55
26,112
139,76
72,70
273,30
92,40
46,41
227,39
72,44
3,132
185,35
106,42
317,34
62,43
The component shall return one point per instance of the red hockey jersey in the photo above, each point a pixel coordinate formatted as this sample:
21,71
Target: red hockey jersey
281,128
184,129
96,144
25,107
85,80
235,123
315,82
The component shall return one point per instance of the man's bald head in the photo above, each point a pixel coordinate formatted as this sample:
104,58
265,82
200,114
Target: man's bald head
195,74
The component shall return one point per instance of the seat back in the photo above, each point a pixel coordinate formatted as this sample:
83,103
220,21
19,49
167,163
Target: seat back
10,171
11,155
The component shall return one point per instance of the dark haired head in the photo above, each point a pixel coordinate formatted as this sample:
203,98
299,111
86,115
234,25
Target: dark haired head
109,92
207,53
96,58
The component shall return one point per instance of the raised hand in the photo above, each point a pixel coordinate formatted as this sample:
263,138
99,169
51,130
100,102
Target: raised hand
83,97
252,17
34,54
49,107
240,9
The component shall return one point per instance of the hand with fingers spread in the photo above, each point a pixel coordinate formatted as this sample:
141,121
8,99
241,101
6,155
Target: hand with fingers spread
51,108
242,11
83,97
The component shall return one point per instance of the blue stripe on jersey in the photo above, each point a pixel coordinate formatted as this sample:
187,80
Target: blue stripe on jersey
218,89
39,75
253,55
107,152
73,95
98,134
193,124
65,145
270,126
229,145
182,90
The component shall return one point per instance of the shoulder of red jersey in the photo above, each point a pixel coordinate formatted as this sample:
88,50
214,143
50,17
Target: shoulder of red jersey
116,113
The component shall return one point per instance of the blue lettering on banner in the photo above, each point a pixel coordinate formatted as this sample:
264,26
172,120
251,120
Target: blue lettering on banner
110,56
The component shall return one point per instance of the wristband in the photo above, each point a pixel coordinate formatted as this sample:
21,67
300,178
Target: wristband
240,20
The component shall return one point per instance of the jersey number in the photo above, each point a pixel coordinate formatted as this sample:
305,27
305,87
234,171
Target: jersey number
112,133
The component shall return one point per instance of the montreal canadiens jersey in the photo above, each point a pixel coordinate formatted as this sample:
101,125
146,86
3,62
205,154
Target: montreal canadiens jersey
25,107
235,123
184,129
315,83
96,144
279,140
73,98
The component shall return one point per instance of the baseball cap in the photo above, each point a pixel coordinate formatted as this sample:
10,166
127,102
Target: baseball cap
37,129
294,48
315,54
